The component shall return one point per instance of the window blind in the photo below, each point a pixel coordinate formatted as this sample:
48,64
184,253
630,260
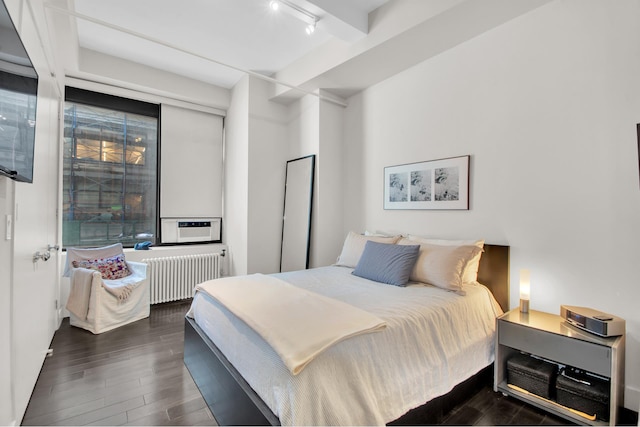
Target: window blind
191,166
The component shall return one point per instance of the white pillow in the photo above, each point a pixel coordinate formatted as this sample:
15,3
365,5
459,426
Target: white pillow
441,265
354,246
471,272
376,233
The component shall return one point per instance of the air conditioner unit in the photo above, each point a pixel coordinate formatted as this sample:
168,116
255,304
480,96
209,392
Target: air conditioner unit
190,230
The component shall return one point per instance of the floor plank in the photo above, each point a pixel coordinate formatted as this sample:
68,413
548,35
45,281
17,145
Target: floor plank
135,375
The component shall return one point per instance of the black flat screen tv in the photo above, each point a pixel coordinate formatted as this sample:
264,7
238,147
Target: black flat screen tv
18,99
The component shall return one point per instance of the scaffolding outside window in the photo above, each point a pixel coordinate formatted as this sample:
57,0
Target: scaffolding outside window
110,176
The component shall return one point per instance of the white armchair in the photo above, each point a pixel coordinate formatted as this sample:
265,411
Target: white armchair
106,290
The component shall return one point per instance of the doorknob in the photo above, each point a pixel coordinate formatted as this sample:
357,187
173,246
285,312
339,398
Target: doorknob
41,256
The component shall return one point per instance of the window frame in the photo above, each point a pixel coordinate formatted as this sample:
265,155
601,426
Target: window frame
124,105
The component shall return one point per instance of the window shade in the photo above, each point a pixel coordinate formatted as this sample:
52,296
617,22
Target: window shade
190,164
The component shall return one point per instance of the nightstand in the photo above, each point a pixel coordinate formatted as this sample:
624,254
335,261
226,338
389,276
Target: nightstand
551,337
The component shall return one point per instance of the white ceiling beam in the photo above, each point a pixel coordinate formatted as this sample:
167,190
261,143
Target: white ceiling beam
445,30
342,19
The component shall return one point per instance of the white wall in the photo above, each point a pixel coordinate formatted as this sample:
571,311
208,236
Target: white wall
236,172
304,139
327,236
547,106
304,127
7,415
266,175
122,73
255,158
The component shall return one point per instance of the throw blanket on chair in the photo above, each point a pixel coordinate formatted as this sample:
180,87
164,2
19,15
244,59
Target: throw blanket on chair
296,323
119,290
81,285
80,291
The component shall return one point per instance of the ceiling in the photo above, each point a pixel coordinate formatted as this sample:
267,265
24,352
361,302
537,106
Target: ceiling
215,41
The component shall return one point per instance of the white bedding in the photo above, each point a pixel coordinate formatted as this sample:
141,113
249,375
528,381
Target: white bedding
298,324
434,339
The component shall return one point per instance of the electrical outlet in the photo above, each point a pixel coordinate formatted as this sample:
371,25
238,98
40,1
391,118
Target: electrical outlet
9,227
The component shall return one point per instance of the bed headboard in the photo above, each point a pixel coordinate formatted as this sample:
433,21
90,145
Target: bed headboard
494,272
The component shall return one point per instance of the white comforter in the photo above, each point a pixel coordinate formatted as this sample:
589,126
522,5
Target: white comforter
434,339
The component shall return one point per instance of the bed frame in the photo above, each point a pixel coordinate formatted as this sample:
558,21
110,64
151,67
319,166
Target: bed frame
233,402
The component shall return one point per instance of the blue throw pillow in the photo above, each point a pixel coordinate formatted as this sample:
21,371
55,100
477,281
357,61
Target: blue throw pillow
387,263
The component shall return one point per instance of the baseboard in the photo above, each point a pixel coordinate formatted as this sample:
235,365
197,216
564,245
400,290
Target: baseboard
631,398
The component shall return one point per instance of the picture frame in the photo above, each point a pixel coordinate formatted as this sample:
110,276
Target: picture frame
435,184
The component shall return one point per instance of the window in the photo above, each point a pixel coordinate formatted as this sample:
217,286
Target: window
110,170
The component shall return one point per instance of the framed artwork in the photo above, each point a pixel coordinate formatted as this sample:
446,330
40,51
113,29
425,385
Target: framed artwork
434,184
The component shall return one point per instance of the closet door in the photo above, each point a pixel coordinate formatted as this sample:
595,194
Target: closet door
34,288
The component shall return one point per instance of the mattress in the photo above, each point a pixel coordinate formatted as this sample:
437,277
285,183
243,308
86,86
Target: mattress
434,339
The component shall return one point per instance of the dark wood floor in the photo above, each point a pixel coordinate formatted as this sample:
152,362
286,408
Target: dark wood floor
131,375
134,375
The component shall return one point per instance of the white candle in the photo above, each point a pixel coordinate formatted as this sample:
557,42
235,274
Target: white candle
525,284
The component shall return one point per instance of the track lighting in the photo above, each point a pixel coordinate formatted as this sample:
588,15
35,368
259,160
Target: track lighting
310,28
296,11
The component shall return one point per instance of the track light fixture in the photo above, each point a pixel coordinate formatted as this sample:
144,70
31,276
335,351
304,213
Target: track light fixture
296,11
310,28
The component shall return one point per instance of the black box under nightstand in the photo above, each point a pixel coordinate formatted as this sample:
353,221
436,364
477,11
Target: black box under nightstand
535,375
586,393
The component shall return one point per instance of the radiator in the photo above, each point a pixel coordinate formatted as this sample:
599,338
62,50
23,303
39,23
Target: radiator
174,278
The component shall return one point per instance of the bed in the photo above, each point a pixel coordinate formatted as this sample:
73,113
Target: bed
370,379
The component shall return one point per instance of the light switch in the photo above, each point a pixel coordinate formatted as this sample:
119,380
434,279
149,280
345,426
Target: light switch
8,225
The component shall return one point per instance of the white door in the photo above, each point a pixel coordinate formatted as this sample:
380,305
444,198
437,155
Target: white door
34,317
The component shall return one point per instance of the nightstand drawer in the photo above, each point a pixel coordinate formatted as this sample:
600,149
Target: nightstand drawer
589,356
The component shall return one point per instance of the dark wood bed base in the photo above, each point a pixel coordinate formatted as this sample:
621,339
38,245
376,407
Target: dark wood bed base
230,398
232,401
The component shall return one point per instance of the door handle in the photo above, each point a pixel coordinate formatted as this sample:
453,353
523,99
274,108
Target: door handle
44,256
